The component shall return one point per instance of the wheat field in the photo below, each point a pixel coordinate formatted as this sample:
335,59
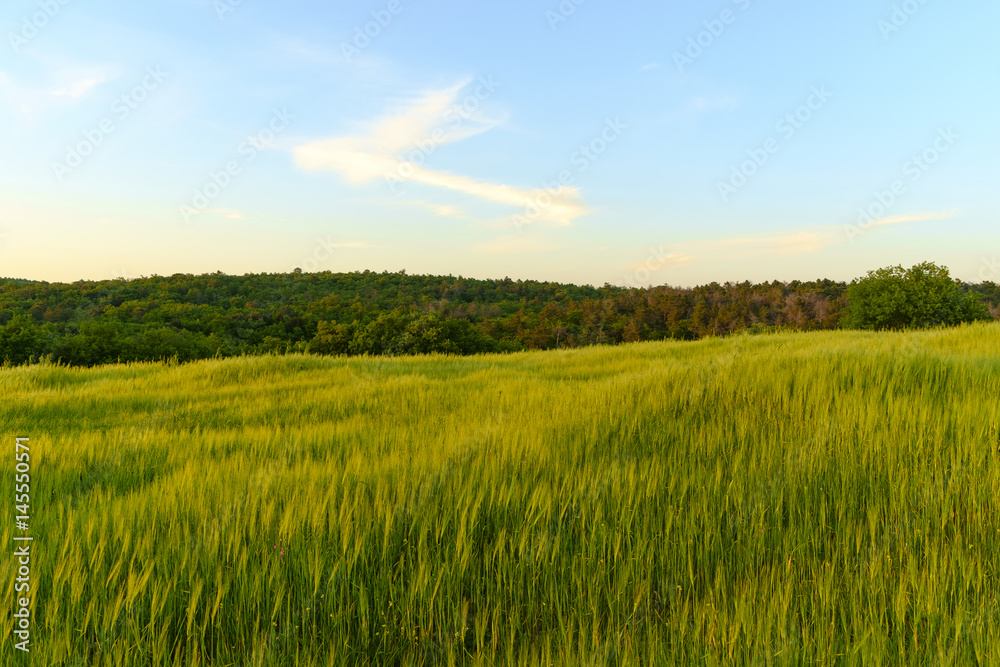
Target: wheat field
825,498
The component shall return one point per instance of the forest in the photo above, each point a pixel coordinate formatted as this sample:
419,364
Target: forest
185,317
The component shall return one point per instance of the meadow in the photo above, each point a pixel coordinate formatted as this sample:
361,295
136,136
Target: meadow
828,498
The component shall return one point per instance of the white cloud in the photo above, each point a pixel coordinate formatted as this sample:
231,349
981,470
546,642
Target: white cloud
225,212
442,210
74,90
445,211
391,147
364,158
914,217
806,240
793,242
67,86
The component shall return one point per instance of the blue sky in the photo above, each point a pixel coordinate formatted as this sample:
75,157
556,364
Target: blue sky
633,143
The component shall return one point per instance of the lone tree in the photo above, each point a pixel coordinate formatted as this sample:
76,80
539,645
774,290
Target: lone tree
922,296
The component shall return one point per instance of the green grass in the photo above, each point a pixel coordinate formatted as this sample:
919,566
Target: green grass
784,499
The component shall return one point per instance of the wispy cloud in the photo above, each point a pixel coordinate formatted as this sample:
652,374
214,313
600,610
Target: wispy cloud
814,238
68,85
225,212
914,217
442,210
74,90
792,242
519,244
694,107
369,156
434,118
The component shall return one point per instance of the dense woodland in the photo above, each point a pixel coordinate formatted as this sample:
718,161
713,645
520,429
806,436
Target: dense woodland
187,317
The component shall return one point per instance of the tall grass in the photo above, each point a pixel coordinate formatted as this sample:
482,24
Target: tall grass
785,499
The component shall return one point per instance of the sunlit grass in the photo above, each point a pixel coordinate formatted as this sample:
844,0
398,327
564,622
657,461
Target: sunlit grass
783,499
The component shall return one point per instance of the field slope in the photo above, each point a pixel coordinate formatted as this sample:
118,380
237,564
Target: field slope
777,499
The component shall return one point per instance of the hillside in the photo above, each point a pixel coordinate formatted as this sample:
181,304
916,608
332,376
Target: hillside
195,317
790,498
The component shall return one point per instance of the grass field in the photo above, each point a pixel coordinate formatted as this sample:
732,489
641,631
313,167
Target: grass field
778,499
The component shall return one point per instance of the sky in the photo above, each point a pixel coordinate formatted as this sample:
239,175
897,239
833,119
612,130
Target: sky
584,141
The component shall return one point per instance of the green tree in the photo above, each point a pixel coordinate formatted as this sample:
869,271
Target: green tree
921,296
101,342
331,338
21,340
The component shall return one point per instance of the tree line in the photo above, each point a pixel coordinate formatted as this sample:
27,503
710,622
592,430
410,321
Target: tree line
187,317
